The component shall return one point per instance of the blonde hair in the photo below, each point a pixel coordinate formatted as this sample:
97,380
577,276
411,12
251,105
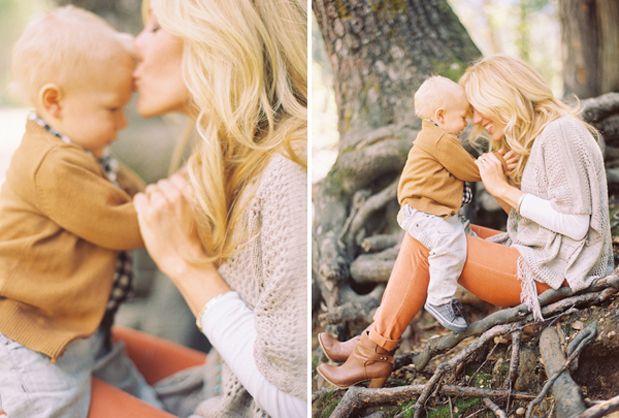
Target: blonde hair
435,92
245,67
510,91
60,47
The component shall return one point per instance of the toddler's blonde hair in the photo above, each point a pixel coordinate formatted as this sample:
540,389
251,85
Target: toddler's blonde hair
245,66
435,92
63,46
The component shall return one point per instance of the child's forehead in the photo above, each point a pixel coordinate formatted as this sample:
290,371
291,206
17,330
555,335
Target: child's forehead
449,100
107,81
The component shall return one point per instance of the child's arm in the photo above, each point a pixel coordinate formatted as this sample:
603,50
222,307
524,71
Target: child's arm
71,192
129,181
451,155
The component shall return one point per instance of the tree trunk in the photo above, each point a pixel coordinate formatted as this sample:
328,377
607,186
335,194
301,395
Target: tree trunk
590,39
608,15
380,52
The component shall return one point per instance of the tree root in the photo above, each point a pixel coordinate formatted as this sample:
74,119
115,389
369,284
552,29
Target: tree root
358,168
371,205
494,408
444,367
357,398
359,140
359,310
609,128
381,242
513,364
602,409
374,268
565,390
597,108
329,263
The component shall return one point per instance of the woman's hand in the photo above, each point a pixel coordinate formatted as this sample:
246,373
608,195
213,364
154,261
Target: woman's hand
167,225
495,182
169,232
491,172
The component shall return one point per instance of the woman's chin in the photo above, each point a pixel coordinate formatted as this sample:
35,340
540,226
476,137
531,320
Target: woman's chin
149,108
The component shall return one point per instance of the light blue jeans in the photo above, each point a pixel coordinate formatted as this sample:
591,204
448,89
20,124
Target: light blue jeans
31,386
446,242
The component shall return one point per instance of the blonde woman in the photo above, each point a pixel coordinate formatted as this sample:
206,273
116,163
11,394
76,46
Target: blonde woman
558,231
233,237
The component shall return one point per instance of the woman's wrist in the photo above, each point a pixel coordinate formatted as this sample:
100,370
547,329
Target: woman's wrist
199,284
223,297
510,195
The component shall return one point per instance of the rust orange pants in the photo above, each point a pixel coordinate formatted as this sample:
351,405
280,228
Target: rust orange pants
489,272
156,359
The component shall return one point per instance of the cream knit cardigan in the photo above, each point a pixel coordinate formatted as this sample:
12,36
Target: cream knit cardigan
269,273
566,167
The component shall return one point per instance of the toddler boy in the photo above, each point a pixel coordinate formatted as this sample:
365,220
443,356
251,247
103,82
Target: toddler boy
67,220
431,190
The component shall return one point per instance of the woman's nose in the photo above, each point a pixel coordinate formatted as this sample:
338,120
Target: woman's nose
138,44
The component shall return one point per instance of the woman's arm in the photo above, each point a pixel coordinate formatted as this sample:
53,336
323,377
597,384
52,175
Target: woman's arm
541,211
230,326
503,204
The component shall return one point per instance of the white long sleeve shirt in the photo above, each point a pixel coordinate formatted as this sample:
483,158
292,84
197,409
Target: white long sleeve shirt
230,327
541,211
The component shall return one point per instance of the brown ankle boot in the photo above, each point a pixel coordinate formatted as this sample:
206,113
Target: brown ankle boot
368,361
336,350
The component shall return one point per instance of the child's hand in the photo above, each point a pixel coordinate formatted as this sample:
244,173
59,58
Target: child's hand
510,158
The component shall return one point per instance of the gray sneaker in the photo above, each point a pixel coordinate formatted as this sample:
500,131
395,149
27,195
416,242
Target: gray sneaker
449,315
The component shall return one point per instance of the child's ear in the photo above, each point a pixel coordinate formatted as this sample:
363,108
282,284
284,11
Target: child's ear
439,115
50,96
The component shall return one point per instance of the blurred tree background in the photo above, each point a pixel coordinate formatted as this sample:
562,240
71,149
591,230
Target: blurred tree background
157,307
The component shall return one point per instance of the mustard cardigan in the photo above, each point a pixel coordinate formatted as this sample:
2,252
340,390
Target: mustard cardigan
62,224
432,180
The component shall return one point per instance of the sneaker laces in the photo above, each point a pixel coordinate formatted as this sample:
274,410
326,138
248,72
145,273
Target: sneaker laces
457,308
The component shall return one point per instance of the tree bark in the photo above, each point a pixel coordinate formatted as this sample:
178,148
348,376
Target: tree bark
590,40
